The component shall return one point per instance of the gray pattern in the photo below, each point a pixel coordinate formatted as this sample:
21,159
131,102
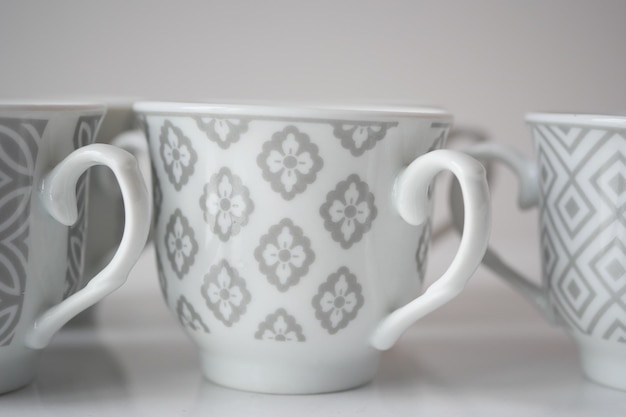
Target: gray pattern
19,144
177,155
188,316
225,293
226,204
421,255
284,254
290,162
84,134
157,196
349,211
180,243
280,327
338,300
221,130
359,137
583,232
161,274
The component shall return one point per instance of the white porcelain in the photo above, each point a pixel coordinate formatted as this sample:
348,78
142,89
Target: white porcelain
292,240
578,181
45,151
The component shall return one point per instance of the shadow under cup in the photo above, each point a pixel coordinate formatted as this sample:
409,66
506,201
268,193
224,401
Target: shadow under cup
279,245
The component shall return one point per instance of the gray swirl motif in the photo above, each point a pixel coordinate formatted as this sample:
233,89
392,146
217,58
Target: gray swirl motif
157,196
161,274
280,327
338,300
284,254
290,162
440,141
421,255
349,211
84,134
223,131
359,137
180,243
177,155
19,145
225,293
226,204
188,316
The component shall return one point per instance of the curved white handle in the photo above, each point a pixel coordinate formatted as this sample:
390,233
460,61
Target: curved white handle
526,172
58,195
413,205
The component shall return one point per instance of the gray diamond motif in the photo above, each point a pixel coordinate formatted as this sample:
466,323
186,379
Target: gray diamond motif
616,332
615,269
610,265
610,183
574,210
618,184
578,294
574,290
572,207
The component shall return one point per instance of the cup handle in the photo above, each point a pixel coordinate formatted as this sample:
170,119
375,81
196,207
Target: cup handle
58,195
526,171
412,202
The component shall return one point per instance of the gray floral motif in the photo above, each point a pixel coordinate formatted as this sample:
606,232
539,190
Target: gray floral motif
359,137
180,243
222,131
290,162
226,204
349,211
225,293
338,300
280,327
188,316
284,254
177,155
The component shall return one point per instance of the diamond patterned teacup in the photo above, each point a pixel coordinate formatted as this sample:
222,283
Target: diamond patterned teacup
291,241
578,180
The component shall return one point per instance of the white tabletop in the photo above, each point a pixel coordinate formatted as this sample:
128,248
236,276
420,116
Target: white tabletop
487,353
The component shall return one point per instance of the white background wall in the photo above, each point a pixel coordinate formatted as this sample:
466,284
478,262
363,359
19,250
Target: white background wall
487,61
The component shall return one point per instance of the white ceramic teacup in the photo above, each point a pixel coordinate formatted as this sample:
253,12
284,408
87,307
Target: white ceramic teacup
578,181
45,151
292,240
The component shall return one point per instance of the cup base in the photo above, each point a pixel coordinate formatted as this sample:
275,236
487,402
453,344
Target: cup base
16,371
602,361
286,377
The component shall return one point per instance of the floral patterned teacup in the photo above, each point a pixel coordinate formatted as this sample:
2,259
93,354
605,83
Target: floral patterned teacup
291,241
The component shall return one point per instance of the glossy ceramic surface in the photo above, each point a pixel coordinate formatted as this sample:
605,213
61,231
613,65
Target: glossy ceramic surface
287,235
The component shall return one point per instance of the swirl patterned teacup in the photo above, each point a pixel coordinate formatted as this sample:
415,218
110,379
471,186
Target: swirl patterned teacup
291,241
44,151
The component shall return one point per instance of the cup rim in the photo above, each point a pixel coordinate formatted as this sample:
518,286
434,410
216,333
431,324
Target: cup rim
287,109
48,106
578,119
